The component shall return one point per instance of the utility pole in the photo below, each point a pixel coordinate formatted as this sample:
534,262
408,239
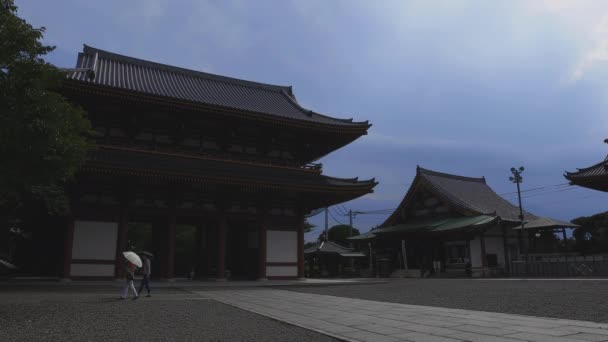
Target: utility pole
518,179
326,223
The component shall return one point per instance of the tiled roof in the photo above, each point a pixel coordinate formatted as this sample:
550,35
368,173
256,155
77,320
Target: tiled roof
598,170
111,70
472,194
327,247
437,225
467,193
159,164
547,223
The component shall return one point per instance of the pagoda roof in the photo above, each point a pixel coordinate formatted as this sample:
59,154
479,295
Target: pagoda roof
109,70
469,195
592,177
144,163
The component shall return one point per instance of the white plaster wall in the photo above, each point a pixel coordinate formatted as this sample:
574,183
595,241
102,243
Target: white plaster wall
94,240
91,270
475,250
281,271
281,246
494,245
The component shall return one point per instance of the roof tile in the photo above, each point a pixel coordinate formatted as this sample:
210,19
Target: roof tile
131,74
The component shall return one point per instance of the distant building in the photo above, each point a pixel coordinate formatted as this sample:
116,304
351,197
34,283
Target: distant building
447,221
176,146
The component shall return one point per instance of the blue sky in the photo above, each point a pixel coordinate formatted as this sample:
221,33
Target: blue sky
465,87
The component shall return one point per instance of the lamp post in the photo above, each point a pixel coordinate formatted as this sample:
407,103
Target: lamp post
518,179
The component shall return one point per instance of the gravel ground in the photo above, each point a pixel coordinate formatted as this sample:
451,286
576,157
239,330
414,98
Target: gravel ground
95,314
571,299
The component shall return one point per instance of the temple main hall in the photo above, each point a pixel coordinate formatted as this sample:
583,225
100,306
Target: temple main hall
213,175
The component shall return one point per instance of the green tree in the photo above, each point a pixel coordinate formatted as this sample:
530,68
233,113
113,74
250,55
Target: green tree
592,236
339,233
308,227
42,136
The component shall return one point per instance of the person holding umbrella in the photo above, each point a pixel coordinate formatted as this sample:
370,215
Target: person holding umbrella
133,261
147,270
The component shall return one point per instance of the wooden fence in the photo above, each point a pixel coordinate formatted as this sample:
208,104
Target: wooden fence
591,266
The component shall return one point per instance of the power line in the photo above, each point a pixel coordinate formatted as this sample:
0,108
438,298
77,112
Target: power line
548,187
332,216
340,210
550,192
375,211
547,191
344,207
571,199
337,212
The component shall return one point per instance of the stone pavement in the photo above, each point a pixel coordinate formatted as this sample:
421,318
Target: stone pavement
185,283
363,320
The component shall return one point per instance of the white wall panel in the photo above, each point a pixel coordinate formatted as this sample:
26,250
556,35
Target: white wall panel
94,240
475,248
91,270
281,271
494,245
281,246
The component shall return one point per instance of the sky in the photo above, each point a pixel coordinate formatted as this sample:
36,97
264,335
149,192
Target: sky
465,87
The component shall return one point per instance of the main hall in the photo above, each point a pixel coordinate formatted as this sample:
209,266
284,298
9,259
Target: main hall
233,160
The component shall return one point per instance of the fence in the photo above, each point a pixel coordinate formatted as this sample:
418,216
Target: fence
590,266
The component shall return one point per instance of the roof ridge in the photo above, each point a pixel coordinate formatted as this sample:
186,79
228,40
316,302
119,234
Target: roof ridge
195,73
449,175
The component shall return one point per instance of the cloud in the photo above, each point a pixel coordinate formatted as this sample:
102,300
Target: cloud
587,22
598,54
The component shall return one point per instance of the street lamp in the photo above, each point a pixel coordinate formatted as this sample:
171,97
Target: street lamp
518,179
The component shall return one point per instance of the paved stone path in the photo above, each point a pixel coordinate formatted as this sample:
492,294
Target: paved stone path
363,320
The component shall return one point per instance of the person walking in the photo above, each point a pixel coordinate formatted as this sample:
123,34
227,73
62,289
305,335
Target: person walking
145,281
130,276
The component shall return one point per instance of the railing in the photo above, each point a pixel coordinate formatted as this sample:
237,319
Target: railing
219,156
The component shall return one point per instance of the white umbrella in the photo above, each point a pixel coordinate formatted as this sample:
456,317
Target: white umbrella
132,257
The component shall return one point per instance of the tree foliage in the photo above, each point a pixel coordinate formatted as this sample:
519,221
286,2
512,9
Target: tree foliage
308,227
592,236
339,233
42,136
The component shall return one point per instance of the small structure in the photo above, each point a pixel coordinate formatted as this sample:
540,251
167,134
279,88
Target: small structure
331,259
448,223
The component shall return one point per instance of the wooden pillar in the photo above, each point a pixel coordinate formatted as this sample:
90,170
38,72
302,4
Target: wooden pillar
520,244
121,241
301,247
565,243
221,247
67,248
200,263
505,247
482,241
170,249
262,228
